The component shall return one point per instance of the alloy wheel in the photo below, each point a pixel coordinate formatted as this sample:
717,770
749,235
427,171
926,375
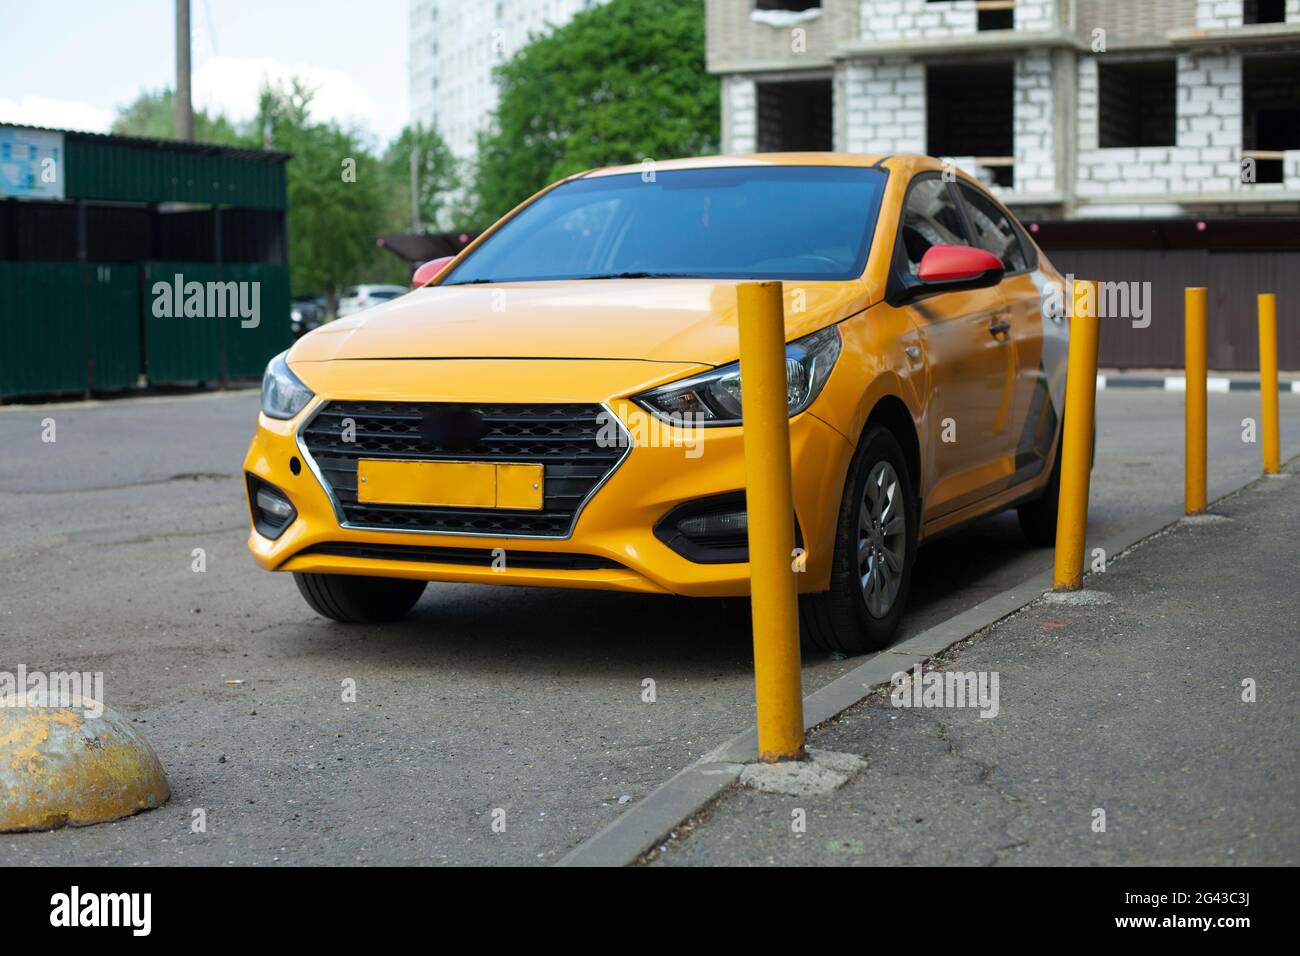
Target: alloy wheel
882,539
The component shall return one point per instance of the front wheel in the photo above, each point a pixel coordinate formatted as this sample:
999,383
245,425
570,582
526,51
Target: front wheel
875,548
1038,517
354,599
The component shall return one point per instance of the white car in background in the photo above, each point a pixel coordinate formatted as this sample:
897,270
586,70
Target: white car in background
358,297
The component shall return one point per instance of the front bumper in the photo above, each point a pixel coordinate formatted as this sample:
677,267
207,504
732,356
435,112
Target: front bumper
612,544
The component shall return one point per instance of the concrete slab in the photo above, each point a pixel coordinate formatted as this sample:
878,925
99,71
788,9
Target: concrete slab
823,772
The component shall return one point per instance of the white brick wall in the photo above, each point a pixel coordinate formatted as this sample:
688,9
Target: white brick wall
1218,14
1035,170
1222,14
885,20
885,112
739,114
1206,158
1036,14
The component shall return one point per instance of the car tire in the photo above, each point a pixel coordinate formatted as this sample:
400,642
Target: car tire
1038,517
841,619
355,599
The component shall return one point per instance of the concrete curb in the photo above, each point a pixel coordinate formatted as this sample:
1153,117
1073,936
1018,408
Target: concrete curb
625,839
1178,383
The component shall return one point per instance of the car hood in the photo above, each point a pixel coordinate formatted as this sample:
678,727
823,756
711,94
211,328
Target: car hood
665,320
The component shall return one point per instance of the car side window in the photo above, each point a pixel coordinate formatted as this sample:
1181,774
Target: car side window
930,218
993,230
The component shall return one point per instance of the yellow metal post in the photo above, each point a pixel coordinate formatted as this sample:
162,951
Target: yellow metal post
1194,327
1076,451
1268,383
778,685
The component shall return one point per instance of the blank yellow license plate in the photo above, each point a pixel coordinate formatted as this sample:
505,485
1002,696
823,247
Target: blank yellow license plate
450,484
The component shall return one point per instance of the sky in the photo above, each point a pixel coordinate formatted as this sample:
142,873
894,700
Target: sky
69,64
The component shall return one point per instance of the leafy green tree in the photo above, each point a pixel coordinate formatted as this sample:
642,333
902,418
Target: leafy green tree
152,115
619,83
336,196
340,194
436,176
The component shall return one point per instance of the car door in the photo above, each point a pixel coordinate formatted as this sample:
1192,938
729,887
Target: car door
1032,423
965,354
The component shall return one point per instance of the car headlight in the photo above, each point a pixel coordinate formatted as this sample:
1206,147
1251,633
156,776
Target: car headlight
283,395
713,398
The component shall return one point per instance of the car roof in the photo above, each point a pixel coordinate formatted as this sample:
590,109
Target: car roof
908,163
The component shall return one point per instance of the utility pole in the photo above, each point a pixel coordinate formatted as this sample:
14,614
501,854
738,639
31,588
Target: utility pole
415,188
183,108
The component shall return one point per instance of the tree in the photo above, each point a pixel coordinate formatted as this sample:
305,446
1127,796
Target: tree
340,195
619,83
152,115
336,194
436,174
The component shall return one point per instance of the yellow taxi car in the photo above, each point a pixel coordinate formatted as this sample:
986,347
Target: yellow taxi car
560,406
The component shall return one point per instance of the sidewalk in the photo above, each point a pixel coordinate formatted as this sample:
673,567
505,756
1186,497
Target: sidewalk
1133,707
1175,380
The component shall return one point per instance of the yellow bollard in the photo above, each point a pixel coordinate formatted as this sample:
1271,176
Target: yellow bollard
1076,450
1194,332
1268,383
778,687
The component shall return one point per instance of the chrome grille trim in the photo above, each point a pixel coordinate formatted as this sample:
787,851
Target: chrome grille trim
341,515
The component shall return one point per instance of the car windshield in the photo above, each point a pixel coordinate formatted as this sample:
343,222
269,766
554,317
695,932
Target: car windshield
743,222
385,294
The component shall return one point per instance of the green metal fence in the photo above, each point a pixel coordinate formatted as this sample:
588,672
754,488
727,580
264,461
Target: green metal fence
184,348
102,167
72,328
68,327
249,348
179,348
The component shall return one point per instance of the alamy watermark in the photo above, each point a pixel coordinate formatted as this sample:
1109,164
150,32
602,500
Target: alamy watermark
947,689
83,690
208,300
643,430
1106,300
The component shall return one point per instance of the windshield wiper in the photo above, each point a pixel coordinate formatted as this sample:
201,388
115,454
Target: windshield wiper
604,275
640,275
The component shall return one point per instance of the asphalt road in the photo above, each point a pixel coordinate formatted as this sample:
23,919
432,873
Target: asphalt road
519,700
1128,714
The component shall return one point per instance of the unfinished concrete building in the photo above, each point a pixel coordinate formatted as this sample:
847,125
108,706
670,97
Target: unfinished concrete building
1112,126
1071,107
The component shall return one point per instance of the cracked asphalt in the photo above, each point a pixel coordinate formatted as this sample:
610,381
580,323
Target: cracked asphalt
1133,708
522,700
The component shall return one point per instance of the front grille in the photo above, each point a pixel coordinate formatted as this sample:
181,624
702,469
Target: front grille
472,557
565,439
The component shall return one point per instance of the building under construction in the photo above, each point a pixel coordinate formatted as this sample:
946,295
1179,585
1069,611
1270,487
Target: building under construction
1134,137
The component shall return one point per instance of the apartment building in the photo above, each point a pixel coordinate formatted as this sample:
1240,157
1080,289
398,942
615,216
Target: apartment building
455,44
1069,108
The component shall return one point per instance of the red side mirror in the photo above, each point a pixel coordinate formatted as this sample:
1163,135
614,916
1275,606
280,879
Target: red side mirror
958,264
429,270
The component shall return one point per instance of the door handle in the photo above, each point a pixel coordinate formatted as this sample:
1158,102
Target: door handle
999,326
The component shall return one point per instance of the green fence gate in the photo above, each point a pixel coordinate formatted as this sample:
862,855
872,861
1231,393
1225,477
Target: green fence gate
68,328
189,341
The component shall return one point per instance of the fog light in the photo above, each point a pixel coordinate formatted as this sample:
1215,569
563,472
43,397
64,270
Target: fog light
274,506
271,507
727,524
713,530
